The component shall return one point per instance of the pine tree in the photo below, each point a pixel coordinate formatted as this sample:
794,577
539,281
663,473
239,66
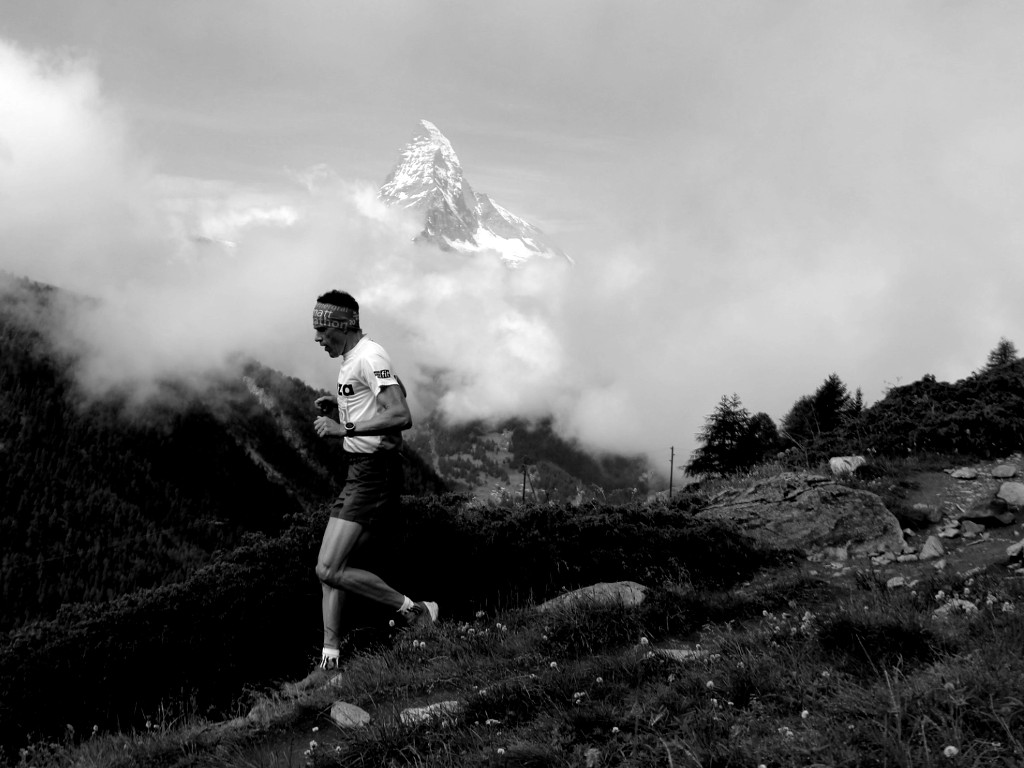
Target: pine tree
1004,352
813,416
721,438
732,439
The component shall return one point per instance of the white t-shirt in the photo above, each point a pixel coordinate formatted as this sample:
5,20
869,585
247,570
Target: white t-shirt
365,371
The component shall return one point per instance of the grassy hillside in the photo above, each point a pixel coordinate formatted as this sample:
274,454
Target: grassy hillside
251,618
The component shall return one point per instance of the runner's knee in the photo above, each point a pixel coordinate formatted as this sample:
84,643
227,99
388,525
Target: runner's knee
325,572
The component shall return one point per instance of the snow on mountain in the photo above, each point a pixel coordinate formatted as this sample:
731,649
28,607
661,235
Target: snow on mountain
428,177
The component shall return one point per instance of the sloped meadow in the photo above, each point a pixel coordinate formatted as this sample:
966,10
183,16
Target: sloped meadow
249,620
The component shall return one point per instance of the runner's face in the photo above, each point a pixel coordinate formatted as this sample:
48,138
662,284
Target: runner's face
331,339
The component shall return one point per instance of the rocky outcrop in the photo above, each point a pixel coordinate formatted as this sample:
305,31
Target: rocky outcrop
810,513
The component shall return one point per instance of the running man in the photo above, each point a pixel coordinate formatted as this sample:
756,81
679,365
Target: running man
368,416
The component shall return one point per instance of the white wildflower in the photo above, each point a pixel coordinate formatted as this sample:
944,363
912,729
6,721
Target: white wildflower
804,715
951,751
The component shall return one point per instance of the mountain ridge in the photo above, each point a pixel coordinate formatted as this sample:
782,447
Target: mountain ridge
429,179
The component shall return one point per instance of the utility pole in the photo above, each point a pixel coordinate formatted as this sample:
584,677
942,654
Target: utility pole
671,468
526,465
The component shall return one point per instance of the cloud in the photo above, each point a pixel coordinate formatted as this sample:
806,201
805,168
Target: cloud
189,273
753,200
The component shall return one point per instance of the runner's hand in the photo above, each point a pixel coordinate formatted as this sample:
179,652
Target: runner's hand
326,427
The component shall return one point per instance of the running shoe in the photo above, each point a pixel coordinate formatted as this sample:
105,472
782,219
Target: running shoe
320,677
422,614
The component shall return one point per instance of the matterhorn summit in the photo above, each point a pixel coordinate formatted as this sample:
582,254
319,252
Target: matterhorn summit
428,178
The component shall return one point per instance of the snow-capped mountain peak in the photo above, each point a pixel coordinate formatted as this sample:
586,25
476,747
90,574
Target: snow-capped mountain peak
428,178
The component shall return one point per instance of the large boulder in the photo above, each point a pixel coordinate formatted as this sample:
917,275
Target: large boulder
810,513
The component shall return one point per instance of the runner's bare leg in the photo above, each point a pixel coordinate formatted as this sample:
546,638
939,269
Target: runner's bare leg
341,539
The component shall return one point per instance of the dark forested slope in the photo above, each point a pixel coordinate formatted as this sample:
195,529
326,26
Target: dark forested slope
101,497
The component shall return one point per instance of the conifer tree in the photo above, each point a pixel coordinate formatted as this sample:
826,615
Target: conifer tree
1004,352
821,413
732,440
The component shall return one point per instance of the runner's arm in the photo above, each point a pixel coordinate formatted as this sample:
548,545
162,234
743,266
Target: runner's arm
393,414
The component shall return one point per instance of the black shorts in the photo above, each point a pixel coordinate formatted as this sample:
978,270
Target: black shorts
372,489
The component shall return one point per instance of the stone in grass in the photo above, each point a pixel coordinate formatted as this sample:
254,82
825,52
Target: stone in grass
1004,471
1012,494
956,606
627,593
932,549
348,715
683,654
964,473
443,712
1015,550
969,529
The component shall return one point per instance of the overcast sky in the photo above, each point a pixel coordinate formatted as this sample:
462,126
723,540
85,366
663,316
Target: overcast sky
756,195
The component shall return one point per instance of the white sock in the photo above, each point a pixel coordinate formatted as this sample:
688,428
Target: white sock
330,657
407,604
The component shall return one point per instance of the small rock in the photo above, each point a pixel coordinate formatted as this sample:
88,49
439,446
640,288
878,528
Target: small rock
969,529
845,465
1012,494
939,565
907,558
683,654
884,559
956,605
1004,471
1016,549
349,715
628,593
964,473
895,582
443,711
932,549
